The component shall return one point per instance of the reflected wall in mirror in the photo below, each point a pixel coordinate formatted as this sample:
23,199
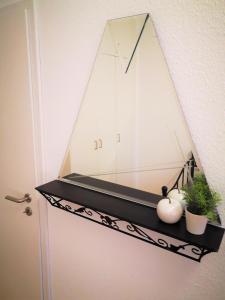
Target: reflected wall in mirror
130,129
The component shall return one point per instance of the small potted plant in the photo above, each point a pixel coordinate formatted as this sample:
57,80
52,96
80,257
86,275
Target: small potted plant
201,203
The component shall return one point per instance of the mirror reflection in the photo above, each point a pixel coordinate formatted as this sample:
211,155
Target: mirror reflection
130,129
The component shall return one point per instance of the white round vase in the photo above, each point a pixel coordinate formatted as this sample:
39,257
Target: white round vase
196,224
177,195
169,210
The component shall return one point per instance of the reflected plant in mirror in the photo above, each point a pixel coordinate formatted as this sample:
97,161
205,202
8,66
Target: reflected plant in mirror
130,137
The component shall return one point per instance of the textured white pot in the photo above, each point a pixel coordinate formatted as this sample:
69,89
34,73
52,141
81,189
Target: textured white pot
196,224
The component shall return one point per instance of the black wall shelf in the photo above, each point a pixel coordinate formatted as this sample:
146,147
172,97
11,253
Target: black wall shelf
132,218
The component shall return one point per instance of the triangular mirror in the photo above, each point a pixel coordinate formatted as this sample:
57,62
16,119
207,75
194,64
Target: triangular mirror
130,130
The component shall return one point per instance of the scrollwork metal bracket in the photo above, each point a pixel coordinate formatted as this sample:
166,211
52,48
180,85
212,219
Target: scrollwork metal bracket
185,249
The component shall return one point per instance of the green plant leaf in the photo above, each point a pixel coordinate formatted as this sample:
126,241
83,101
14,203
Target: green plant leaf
200,199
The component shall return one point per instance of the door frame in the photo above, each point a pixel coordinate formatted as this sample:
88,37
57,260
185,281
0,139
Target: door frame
35,91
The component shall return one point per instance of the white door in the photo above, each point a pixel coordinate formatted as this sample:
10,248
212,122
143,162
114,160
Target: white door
20,271
92,147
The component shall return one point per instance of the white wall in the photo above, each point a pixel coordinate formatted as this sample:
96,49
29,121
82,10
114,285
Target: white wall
89,262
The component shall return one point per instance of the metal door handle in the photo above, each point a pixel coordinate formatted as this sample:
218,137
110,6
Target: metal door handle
26,198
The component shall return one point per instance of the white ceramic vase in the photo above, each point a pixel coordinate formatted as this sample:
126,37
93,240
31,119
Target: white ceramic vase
196,224
169,210
177,195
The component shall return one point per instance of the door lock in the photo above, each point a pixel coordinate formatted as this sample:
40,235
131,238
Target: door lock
28,211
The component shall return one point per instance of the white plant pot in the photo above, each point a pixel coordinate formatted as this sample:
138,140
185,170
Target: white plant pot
196,224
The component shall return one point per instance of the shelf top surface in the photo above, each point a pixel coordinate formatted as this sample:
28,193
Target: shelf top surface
113,189
135,213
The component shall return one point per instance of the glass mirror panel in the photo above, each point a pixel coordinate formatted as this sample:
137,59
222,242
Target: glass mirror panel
130,129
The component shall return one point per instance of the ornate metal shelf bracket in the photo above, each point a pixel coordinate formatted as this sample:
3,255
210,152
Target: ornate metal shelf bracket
185,249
